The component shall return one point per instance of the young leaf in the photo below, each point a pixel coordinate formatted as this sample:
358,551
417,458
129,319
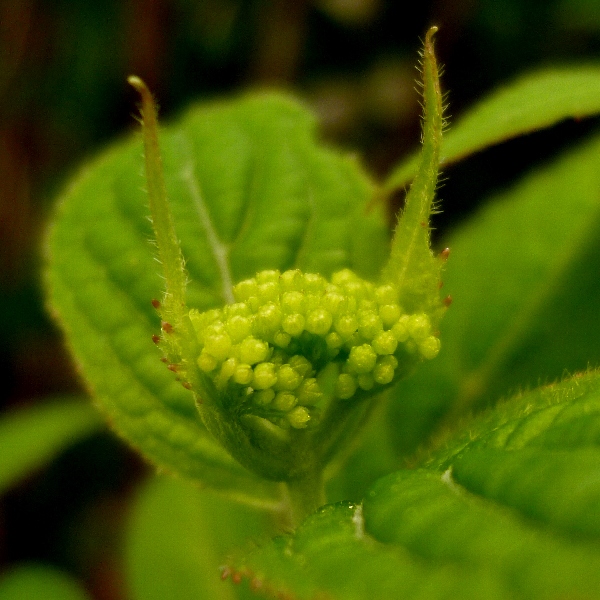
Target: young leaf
532,102
31,438
248,190
523,276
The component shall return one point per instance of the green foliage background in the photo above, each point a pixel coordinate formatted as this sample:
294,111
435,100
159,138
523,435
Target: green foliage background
63,94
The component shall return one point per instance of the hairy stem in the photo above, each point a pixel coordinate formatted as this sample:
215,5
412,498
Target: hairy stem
306,495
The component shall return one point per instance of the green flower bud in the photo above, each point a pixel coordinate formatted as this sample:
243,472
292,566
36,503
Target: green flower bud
362,359
264,376
267,276
291,280
253,351
419,327
268,318
400,329
312,302
389,314
309,392
314,283
385,343
268,291
292,302
429,347
386,294
319,321
243,374
263,397
245,290
301,365
237,309
282,340
345,386
346,325
206,362
298,417
334,340
366,381
285,401
238,327
333,301
343,276
293,324
369,324
383,373
288,378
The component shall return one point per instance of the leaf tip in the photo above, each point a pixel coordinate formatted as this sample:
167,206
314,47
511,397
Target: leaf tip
137,83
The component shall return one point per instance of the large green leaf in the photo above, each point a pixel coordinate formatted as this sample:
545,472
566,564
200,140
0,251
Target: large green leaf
507,509
249,190
532,102
523,274
30,438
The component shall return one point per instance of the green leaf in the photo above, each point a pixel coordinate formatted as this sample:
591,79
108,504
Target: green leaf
508,508
331,556
249,190
36,581
32,437
534,101
523,274
178,538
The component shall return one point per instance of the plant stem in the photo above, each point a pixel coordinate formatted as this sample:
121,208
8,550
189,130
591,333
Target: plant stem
305,496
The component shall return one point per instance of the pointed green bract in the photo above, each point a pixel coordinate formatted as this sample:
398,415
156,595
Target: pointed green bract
412,266
162,221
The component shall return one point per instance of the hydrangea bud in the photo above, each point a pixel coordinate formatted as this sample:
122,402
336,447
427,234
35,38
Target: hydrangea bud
269,350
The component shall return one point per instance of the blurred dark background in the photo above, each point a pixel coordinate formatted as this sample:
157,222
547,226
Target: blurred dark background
63,94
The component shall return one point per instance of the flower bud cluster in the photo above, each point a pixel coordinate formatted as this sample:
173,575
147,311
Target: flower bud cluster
271,346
